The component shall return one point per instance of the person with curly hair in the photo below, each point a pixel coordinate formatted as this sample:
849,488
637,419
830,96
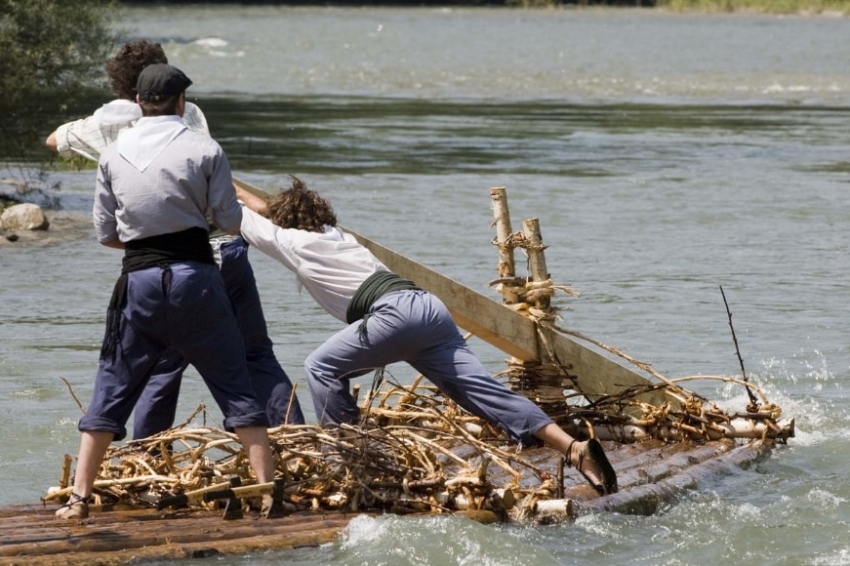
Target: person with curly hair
157,408
89,136
389,319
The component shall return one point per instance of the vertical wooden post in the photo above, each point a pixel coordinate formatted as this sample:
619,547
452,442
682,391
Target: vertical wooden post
502,220
536,258
64,481
540,380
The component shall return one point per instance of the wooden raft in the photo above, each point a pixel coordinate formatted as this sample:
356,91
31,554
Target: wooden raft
661,438
651,474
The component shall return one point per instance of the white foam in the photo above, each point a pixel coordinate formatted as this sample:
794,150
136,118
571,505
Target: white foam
362,528
211,42
837,558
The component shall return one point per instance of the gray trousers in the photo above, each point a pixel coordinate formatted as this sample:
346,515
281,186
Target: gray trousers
414,327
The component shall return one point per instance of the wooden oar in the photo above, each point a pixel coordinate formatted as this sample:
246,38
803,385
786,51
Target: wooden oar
595,374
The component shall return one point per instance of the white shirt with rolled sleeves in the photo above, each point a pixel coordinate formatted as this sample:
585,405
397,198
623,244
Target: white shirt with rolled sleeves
179,177
331,265
90,136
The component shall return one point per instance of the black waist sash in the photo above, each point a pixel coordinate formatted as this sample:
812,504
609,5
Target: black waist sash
376,285
163,250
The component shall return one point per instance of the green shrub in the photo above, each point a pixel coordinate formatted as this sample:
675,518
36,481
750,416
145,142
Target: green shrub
53,57
764,6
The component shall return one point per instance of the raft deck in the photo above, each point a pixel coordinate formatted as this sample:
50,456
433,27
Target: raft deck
650,473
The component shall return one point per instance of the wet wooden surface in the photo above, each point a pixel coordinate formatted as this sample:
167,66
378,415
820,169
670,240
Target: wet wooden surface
650,474
30,535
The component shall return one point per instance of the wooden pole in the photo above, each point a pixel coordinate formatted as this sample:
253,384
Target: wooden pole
536,259
753,401
502,220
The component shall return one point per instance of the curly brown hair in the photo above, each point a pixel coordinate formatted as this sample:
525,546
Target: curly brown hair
124,68
299,207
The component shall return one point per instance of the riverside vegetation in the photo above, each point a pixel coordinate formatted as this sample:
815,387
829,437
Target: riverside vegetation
755,6
65,43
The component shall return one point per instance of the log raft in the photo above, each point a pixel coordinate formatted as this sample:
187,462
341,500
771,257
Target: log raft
651,474
417,453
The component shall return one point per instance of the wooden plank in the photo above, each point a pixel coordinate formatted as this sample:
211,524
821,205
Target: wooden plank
595,374
493,322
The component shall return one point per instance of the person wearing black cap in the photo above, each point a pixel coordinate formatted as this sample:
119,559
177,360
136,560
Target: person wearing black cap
154,186
156,409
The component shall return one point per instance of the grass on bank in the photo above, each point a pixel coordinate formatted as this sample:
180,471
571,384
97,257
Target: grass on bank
726,6
759,6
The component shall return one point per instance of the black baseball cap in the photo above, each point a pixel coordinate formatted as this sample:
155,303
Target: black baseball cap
160,82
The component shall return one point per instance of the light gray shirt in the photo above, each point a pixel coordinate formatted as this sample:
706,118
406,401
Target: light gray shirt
168,179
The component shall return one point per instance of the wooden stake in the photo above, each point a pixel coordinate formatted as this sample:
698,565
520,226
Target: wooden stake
66,472
289,406
502,220
536,258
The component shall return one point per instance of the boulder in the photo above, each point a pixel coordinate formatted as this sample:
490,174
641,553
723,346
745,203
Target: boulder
24,217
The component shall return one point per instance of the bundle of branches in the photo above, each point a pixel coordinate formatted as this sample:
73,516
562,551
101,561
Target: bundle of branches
413,451
626,418
401,458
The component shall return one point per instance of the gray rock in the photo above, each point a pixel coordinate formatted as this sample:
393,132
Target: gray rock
24,217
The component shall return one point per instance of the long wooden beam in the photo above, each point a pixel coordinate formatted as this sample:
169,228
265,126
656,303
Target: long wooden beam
595,374
490,321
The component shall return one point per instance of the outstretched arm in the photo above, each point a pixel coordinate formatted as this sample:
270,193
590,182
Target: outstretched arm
250,200
51,142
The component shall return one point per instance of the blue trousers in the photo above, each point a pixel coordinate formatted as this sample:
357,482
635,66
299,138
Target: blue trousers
181,307
415,327
157,406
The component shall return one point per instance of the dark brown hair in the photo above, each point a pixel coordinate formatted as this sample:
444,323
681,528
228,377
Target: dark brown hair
124,68
299,207
167,107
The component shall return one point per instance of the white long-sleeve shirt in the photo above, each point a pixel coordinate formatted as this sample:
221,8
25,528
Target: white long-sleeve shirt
331,265
92,135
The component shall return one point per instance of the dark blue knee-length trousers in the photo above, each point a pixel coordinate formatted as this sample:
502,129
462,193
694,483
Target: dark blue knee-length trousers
181,307
157,406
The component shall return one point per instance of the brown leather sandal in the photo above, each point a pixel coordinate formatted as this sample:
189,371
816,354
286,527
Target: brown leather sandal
593,464
77,507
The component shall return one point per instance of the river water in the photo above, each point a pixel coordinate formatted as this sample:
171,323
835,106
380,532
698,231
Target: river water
665,156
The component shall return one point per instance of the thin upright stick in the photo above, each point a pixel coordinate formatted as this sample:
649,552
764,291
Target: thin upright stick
291,402
750,393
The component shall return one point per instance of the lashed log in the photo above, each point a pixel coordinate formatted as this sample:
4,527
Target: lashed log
650,487
536,258
112,538
738,427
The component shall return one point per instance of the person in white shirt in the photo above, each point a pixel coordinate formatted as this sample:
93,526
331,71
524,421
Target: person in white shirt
91,135
388,319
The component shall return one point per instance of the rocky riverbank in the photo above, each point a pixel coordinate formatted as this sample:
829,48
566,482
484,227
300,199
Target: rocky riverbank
17,218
